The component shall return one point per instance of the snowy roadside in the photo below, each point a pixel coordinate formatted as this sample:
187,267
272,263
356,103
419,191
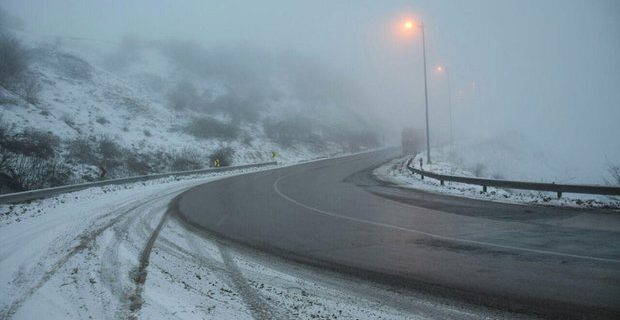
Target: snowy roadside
80,256
396,172
11,213
41,239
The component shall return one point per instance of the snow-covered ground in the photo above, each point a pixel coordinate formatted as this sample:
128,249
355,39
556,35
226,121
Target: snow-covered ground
91,101
114,252
124,119
446,162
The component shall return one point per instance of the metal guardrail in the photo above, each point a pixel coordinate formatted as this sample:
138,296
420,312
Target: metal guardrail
48,192
551,187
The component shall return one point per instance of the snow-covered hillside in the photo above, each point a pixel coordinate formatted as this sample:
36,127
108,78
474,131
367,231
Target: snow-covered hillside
139,107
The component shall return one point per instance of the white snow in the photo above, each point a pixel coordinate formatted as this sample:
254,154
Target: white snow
75,256
446,162
80,98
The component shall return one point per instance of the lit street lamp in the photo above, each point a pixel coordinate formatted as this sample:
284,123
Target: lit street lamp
408,25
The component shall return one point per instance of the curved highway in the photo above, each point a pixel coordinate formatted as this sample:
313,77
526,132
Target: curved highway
533,260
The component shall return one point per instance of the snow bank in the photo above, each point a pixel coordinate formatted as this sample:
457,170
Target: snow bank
396,172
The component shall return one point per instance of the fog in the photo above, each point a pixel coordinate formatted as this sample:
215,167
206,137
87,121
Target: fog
545,72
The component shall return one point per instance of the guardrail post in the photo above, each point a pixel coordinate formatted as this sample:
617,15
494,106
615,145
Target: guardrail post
409,163
525,185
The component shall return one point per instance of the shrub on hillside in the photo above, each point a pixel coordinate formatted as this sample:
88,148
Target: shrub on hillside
238,108
29,160
186,159
22,173
102,120
83,150
99,151
478,169
224,155
73,67
289,132
31,143
138,164
13,60
110,151
14,69
614,174
209,128
29,89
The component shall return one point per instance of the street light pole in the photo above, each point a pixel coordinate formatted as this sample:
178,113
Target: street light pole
443,69
428,141
450,108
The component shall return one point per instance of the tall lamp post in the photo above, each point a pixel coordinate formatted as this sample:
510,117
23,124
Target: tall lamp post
443,69
408,26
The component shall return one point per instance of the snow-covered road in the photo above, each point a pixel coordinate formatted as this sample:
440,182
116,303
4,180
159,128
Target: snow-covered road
116,253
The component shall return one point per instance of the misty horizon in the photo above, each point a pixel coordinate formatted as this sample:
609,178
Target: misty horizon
522,69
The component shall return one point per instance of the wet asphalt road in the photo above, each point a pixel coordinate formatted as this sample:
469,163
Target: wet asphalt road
541,261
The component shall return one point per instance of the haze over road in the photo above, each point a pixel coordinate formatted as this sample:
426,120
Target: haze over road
554,262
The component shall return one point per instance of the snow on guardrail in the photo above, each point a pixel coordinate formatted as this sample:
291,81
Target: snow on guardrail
525,185
48,192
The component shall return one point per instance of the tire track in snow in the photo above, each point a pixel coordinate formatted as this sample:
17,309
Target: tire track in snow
228,271
85,241
258,308
111,271
139,275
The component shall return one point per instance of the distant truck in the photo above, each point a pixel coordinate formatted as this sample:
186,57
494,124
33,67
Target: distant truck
411,141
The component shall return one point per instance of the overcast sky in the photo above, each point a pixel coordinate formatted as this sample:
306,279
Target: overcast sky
546,69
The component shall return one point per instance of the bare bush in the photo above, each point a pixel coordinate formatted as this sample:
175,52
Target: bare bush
238,107
6,98
614,174
4,138
138,163
100,151
478,169
223,156
27,173
498,176
111,153
14,69
73,67
102,120
186,159
14,60
70,121
210,128
29,89
83,150
32,143
29,160
288,132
